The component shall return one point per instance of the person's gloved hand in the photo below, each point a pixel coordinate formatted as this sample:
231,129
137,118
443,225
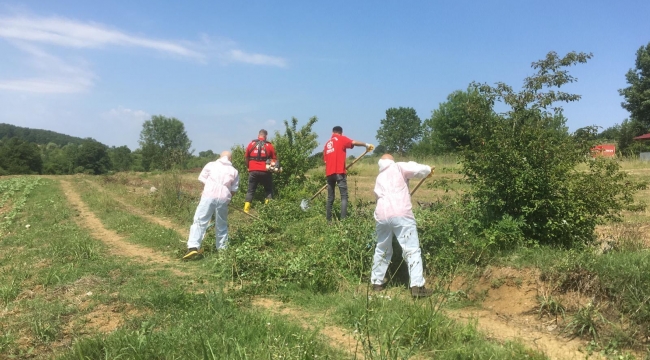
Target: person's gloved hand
370,146
431,173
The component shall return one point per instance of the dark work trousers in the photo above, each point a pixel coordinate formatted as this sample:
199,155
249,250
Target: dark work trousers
342,182
259,177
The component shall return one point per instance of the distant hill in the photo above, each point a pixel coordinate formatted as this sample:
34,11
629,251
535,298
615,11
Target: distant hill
37,136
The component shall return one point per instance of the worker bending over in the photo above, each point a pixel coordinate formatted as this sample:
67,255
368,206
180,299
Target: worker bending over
221,181
393,216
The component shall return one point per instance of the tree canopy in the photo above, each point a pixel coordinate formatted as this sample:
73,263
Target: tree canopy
637,95
18,156
522,163
37,136
164,143
399,130
448,128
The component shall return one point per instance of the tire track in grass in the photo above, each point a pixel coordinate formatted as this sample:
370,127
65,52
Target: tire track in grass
336,337
184,232
116,243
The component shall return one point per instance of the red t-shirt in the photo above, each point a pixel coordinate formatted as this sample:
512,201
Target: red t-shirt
268,152
334,154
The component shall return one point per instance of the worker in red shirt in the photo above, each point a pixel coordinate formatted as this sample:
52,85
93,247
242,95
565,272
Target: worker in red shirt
334,155
258,152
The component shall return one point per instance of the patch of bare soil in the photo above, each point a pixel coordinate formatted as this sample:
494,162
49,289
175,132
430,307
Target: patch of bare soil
337,337
117,244
510,311
184,232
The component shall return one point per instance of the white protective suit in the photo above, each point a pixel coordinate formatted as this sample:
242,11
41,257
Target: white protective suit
221,179
394,216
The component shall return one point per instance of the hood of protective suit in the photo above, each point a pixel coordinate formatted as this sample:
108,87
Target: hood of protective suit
384,163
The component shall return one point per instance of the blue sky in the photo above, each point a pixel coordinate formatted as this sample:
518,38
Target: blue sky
227,69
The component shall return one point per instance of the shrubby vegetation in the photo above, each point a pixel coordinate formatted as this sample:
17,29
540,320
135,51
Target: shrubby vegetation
522,165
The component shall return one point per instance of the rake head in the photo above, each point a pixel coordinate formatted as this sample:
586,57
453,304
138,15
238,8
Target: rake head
304,204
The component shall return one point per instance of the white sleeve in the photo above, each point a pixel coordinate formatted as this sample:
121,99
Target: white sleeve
235,184
412,170
203,176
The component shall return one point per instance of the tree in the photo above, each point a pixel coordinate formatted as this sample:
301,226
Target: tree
612,133
628,130
164,143
20,157
207,154
448,128
121,158
92,156
294,149
637,95
399,130
522,164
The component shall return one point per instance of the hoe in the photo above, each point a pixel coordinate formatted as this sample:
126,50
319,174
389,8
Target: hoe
304,204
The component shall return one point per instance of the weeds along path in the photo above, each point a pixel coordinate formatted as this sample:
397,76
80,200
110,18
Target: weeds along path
509,312
184,232
116,243
335,336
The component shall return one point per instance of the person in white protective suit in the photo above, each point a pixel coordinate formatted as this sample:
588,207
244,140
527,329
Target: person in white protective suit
221,181
394,216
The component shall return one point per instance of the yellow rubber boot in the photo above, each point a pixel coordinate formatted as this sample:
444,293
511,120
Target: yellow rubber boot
266,201
247,207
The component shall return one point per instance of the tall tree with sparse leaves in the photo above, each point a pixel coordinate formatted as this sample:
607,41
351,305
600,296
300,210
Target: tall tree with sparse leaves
399,130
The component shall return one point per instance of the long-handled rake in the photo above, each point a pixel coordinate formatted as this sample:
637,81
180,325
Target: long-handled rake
304,204
421,181
245,213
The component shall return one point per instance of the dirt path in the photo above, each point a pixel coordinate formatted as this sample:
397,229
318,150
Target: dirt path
117,244
509,311
337,337
184,232
506,314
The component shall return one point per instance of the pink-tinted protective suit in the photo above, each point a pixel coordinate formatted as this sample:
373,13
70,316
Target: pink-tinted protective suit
395,218
220,179
392,190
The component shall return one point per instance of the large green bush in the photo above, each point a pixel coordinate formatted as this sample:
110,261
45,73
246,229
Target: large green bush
523,164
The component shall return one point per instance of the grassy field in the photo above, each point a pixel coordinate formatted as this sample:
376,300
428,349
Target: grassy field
90,268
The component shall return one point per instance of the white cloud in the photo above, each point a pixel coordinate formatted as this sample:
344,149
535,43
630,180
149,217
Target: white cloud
124,115
57,76
52,86
270,122
31,34
70,33
256,59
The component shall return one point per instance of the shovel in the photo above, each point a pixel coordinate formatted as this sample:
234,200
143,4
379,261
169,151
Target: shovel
304,204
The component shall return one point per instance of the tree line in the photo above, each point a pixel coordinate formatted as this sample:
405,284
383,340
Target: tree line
448,130
453,127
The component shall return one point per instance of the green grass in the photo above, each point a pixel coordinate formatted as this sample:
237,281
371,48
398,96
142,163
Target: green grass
258,255
56,279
